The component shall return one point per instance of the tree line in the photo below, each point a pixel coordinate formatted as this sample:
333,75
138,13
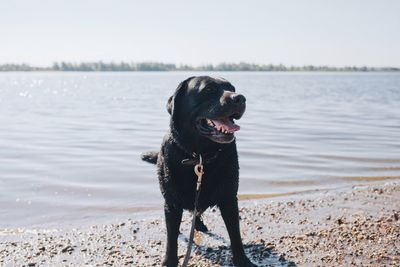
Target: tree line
159,66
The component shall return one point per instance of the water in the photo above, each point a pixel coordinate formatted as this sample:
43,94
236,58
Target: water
70,142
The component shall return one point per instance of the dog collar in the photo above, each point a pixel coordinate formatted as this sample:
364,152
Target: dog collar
195,159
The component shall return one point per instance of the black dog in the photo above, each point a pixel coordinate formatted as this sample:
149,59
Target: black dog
203,110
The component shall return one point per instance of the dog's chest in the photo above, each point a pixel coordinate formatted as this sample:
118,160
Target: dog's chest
211,190
186,179
178,181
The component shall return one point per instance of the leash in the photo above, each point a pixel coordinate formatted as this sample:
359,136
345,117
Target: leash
198,170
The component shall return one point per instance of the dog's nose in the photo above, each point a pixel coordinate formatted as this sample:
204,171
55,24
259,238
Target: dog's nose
238,99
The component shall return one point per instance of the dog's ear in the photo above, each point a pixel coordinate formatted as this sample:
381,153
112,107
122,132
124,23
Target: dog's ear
171,104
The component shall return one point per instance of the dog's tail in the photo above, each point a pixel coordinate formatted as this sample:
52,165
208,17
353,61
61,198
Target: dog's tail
150,157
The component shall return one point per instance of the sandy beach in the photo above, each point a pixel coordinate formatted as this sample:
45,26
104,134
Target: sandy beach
350,226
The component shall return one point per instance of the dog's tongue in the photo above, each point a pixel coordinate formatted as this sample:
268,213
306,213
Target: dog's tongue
226,124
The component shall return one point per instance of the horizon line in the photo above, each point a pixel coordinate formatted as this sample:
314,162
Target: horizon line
163,66
194,64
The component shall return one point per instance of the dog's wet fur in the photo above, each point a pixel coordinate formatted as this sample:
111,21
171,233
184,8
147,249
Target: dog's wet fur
203,110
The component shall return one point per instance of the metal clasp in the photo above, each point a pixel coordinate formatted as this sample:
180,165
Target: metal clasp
198,170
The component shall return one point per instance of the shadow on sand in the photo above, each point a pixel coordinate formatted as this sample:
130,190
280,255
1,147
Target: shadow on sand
221,255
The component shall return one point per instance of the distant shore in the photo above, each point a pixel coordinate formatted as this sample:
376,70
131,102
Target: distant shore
351,226
100,66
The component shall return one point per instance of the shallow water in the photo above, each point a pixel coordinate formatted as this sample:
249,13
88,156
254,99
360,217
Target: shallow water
70,142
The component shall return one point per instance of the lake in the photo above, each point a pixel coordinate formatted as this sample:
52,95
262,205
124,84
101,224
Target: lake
70,143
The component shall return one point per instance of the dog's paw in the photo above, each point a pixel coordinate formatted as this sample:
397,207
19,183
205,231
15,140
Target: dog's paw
200,226
245,262
169,262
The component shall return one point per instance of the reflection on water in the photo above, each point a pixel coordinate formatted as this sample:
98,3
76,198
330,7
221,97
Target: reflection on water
70,142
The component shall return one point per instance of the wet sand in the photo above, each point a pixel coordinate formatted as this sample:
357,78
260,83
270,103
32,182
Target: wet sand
351,226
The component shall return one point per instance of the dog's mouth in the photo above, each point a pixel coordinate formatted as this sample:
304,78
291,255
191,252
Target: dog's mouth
220,130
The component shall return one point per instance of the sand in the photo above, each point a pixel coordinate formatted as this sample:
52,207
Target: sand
350,226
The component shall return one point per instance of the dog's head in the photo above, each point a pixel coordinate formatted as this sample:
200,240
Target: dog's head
204,108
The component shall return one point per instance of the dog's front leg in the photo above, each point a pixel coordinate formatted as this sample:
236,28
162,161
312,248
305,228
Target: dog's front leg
173,217
230,214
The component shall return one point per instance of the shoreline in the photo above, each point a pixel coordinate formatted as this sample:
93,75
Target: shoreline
117,214
352,226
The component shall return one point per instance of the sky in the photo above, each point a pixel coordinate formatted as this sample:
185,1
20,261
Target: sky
297,32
